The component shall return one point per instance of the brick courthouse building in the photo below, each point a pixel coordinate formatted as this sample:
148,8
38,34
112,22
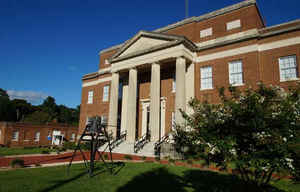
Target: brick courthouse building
141,84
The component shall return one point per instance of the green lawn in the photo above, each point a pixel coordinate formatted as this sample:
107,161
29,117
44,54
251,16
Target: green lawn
127,178
4,151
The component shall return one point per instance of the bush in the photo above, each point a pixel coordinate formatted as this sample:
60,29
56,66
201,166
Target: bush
252,129
127,157
171,161
69,145
17,163
85,146
143,158
45,151
296,165
105,156
189,161
157,158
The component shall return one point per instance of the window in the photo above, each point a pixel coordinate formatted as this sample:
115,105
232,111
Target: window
37,136
173,121
174,82
206,77
233,24
90,97
73,137
205,32
236,73
288,68
103,119
105,93
106,62
15,136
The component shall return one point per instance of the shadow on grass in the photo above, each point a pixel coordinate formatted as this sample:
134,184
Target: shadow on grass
161,179
59,183
115,167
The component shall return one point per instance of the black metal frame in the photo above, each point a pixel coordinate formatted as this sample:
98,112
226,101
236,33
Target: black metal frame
139,144
97,135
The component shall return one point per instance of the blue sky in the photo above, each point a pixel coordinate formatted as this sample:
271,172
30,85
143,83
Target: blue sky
46,46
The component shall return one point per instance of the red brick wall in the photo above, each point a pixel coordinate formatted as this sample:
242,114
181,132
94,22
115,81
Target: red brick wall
27,133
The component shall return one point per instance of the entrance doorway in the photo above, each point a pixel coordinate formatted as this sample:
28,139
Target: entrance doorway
146,116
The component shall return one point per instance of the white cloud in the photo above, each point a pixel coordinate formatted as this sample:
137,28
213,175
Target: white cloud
30,96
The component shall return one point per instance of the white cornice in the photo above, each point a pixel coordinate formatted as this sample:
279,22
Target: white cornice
248,49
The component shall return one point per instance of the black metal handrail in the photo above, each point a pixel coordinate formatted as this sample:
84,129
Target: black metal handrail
157,145
140,143
115,143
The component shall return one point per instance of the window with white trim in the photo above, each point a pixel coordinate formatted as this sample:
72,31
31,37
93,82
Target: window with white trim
90,97
236,72
174,82
288,67
72,137
205,32
233,24
37,136
105,93
15,136
103,119
173,121
206,77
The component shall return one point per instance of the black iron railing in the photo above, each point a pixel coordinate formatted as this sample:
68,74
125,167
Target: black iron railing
140,143
157,145
115,143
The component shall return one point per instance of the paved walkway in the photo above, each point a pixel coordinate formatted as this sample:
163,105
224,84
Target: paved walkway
30,160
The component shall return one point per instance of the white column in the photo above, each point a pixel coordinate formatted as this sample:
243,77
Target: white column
180,98
131,109
113,105
155,102
190,86
124,107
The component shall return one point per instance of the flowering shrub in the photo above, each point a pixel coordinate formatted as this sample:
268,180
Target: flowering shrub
252,129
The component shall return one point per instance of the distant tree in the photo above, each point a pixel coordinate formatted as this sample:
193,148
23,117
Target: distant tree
3,93
7,109
49,106
23,108
252,129
39,117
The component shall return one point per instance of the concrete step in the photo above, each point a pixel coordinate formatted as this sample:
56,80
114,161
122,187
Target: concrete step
127,148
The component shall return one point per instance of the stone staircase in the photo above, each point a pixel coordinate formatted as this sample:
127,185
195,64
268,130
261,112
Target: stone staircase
127,148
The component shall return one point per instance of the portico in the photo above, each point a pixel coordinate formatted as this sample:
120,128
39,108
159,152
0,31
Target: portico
148,51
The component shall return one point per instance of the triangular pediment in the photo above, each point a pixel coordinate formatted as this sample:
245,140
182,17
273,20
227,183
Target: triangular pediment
144,41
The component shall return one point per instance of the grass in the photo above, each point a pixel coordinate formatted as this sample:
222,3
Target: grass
5,151
127,177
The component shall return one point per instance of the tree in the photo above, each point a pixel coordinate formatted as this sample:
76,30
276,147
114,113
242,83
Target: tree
252,129
49,106
39,117
7,109
23,108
